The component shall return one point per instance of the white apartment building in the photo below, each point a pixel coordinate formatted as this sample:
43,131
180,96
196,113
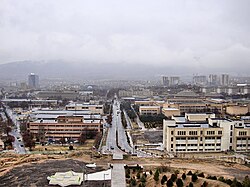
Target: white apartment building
204,133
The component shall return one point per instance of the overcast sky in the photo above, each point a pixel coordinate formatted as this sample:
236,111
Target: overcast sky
190,33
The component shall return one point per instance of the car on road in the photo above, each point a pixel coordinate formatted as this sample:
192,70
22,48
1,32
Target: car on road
111,147
21,145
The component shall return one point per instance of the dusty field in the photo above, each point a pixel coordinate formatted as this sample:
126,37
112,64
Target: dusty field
153,136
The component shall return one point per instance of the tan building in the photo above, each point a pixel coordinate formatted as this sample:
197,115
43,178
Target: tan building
237,110
241,141
94,109
149,110
168,112
204,133
64,127
144,103
193,105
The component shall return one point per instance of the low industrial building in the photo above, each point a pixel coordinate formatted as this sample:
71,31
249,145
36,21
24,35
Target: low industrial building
237,110
94,109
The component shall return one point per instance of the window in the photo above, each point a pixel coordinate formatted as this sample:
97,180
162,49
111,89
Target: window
192,132
181,133
172,139
200,138
242,133
210,132
172,132
219,132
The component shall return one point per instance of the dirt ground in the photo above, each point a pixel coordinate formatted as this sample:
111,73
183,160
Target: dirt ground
35,175
32,170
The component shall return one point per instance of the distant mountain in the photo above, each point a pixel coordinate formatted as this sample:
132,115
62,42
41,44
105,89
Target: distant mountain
70,71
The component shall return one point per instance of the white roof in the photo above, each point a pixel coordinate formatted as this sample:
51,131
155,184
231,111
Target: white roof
66,178
170,109
143,107
102,175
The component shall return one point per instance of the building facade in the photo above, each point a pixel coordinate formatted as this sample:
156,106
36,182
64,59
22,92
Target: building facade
204,133
33,81
69,127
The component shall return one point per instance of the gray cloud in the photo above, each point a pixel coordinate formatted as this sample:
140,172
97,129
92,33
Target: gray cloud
169,33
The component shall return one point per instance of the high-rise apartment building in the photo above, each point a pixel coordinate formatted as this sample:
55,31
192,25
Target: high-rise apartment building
212,80
224,80
170,81
33,81
200,80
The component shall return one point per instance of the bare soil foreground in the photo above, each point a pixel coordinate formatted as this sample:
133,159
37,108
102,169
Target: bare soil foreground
35,174
32,170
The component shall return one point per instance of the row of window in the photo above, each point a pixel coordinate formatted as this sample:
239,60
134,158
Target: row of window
184,145
242,133
196,138
243,145
184,150
195,132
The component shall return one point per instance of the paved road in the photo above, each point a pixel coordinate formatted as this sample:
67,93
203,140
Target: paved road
138,121
111,143
117,132
128,120
122,137
18,144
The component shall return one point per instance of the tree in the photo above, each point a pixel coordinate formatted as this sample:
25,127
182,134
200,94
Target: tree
127,173
133,182
173,177
179,183
138,175
82,139
28,140
71,147
194,178
190,173
62,141
164,179
143,179
170,183
191,184
41,134
204,184
183,176
246,182
151,172
156,175
201,175
236,183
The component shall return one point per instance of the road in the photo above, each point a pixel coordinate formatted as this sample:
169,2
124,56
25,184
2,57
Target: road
111,142
117,134
18,143
122,137
138,121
